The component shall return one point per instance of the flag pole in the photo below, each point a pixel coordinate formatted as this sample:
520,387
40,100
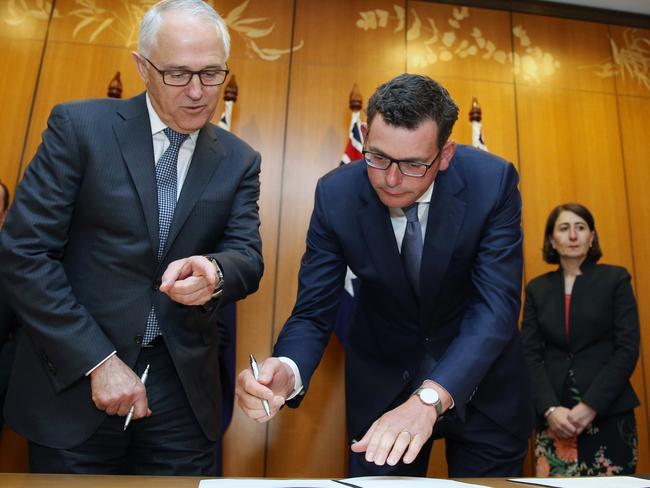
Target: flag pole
475,117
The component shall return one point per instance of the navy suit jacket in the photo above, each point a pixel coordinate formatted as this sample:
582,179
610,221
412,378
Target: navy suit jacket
603,344
461,328
78,255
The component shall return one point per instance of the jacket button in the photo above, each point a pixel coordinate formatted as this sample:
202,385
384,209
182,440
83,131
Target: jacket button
406,375
138,339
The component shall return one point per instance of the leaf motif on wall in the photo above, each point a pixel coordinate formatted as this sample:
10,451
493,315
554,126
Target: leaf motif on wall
434,46
124,21
415,30
20,12
382,17
401,15
630,59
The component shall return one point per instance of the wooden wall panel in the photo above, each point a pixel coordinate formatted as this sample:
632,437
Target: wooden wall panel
336,54
560,53
636,152
22,38
566,160
448,41
631,60
22,58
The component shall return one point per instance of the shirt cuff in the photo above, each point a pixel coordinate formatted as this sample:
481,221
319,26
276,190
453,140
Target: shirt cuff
101,362
297,383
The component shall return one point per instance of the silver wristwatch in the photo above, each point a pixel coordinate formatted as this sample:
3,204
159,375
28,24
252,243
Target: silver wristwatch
218,290
430,396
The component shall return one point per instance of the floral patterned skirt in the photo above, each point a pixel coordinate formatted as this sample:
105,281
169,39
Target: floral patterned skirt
608,447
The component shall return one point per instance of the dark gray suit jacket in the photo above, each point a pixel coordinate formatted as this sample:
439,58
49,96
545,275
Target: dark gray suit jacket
78,257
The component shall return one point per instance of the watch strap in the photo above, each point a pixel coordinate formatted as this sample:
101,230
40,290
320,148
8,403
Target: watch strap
218,289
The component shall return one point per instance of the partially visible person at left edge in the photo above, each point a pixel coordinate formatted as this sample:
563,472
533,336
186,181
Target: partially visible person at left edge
135,221
581,337
7,318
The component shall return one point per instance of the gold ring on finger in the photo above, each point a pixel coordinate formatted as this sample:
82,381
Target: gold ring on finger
407,433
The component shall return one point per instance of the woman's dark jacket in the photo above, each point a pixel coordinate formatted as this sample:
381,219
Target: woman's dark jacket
603,344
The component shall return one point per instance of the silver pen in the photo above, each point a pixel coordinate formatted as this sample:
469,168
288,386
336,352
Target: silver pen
256,374
129,416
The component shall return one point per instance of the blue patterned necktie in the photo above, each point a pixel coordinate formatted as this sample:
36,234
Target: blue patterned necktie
412,246
166,183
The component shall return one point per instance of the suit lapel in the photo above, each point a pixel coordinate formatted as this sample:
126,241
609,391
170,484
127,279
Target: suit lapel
375,224
446,214
208,155
133,132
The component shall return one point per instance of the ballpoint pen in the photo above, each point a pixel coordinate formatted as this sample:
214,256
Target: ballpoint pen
129,416
256,374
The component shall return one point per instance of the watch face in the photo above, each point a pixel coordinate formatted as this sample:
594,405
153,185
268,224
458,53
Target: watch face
429,396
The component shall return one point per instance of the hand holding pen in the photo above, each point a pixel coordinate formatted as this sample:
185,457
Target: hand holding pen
256,374
129,416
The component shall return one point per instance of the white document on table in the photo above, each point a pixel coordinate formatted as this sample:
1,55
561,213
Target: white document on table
587,482
267,483
405,482
364,482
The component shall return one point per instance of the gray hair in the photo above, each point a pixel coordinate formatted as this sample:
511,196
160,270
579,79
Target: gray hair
198,8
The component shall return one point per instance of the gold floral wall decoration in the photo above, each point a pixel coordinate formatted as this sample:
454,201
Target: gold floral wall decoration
246,29
431,44
20,11
122,19
629,59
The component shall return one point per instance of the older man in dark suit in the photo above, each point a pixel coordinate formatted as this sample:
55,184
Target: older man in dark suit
134,222
433,231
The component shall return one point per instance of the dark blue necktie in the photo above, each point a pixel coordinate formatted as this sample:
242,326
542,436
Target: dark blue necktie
166,183
412,246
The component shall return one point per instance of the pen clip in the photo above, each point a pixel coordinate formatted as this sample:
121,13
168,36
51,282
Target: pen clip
254,367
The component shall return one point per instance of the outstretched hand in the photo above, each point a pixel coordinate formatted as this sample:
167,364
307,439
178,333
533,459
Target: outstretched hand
399,434
190,281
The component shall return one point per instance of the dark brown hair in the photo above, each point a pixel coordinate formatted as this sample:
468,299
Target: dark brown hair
407,100
550,255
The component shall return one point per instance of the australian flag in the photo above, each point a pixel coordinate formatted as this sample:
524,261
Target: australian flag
348,296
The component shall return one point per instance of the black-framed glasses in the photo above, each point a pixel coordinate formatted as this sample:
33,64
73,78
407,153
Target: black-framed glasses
182,77
416,169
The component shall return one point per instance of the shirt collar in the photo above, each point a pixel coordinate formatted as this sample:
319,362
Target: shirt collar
158,125
424,198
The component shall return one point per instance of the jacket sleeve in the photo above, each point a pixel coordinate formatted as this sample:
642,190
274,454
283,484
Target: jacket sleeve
32,245
615,373
239,253
320,283
544,395
489,322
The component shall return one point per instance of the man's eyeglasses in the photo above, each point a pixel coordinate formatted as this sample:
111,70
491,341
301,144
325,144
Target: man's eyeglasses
408,168
182,77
